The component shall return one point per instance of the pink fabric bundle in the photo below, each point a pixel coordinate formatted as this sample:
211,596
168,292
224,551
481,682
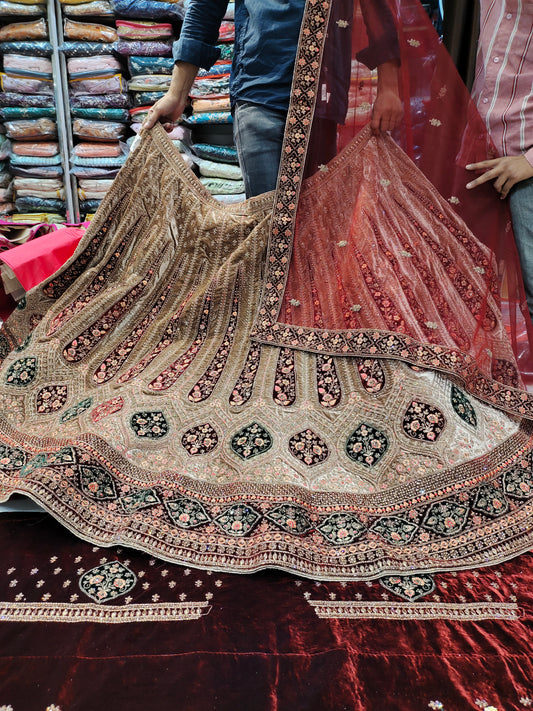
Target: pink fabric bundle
97,150
86,65
35,148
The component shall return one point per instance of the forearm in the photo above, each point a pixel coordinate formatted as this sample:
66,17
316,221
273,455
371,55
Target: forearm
183,76
383,44
388,76
199,33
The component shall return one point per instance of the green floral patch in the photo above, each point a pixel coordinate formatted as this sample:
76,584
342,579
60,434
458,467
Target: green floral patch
251,441
447,518
395,530
341,529
290,518
97,483
139,500
11,458
187,513
149,425
238,520
463,407
22,372
107,582
77,410
367,445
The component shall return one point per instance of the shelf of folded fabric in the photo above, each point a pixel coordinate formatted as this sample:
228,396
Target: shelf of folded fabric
29,151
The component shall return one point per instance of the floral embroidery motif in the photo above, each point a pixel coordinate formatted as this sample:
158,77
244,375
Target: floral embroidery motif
4,347
242,391
187,513
22,372
109,407
409,587
341,529
383,301
77,410
107,582
238,520
139,500
423,422
367,445
490,501
174,371
290,518
11,458
201,439
97,483
517,483
447,518
51,398
371,374
285,383
207,383
251,441
308,447
327,381
395,530
149,425
463,407
505,372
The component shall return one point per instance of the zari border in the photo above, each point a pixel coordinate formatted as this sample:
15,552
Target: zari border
454,612
108,614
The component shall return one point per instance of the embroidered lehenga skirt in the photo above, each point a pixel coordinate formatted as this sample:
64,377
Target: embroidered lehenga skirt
137,408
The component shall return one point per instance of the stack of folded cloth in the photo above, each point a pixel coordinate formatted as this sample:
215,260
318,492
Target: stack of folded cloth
27,108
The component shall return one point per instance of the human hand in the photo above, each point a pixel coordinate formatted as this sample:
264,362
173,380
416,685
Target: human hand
506,172
387,111
168,109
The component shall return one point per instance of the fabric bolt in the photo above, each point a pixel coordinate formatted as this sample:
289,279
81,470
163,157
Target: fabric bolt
209,117
16,65
98,130
35,148
115,101
230,199
210,86
146,98
38,49
5,147
25,129
104,162
210,105
101,114
97,150
148,9
90,206
151,48
150,65
34,160
222,186
37,171
5,179
37,183
88,31
36,29
85,49
149,82
25,86
222,154
87,65
96,185
111,85
19,9
98,8
40,192
23,101
81,172
18,112
37,204
143,30
504,75
209,168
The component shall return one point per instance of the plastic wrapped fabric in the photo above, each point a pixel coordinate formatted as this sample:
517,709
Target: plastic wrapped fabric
150,65
5,147
146,98
148,9
99,162
216,70
37,192
98,8
37,171
110,85
100,185
25,66
211,169
85,49
143,30
34,160
19,112
230,199
91,194
215,117
88,31
221,186
81,172
210,86
17,31
88,67
8,9
20,183
26,86
221,154
98,150
150,82
102,114
226,52
208,105
89,205
26,101
98,130
34,204
36,49
38,217
26,129
156,48
111,101
226,32
35,148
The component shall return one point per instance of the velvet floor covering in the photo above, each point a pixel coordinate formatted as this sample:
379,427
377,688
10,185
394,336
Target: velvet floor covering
85,628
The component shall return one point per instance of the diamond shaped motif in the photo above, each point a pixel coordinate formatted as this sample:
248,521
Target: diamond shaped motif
341,529
139,500
251,441
308,447
238,520
200,440
491,501
187,513
107,582
463,407
395,530
518,483
409,587
367,445
447,518
97,483
423,422
290,518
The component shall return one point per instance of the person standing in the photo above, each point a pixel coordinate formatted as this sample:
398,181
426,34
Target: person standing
503,91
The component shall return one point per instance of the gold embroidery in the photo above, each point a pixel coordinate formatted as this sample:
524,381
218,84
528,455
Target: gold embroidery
108,614
463,612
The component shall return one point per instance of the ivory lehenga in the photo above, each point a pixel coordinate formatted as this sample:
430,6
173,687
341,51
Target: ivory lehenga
136,409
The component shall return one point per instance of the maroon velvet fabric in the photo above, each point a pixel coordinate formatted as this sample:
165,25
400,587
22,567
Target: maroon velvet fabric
258,644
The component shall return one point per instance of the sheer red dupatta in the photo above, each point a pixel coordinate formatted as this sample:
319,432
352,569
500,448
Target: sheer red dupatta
377,248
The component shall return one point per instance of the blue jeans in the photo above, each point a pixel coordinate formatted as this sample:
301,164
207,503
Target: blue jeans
521,203
258,132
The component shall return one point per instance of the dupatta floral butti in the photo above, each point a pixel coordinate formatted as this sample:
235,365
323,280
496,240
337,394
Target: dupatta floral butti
323,384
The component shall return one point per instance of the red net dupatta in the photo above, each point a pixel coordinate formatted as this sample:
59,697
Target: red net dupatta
377,249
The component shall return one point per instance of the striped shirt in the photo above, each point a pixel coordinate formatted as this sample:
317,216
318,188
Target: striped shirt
503,86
